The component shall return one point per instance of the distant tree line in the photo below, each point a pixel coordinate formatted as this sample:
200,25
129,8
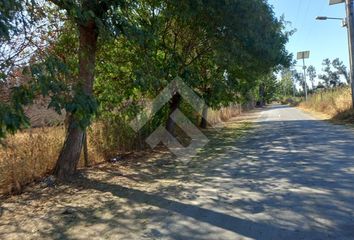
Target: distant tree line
332,75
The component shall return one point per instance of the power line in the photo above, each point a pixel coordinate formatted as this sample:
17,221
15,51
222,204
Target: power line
298,8
306,12
319,13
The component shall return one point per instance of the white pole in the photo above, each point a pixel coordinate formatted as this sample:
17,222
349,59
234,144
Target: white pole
350,21
305,83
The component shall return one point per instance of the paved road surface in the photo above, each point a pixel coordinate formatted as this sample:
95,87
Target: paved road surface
291,177
302,174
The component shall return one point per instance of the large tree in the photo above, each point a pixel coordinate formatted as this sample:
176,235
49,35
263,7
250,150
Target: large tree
91,17
287,82
341,69
215,46
311,71
202,42
330,78
91,20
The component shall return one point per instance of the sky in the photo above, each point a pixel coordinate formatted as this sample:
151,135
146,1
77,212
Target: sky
324,39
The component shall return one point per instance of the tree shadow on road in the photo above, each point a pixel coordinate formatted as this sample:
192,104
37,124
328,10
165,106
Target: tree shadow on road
278,182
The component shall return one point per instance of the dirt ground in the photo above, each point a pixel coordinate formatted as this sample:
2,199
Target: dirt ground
112,201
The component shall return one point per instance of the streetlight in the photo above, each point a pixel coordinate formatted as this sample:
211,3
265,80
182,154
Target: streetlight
344,21
325,18
349,23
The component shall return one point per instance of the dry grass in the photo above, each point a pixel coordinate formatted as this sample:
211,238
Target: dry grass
224,114
27,156
31,154
335,103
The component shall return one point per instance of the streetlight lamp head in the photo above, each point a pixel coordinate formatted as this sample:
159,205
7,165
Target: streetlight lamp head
321,18
332,2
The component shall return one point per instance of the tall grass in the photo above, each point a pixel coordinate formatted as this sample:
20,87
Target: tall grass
31,154
27,156
224,114
336,103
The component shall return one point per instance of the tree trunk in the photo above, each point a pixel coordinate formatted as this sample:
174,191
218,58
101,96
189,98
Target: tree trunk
262,95
174,104
71,151
86,155
204,122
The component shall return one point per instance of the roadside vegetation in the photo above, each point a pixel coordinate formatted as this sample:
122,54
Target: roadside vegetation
98,64
31,154
329,96
335,103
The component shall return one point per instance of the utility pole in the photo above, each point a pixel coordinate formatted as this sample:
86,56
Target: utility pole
350,24
305,82
303,55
